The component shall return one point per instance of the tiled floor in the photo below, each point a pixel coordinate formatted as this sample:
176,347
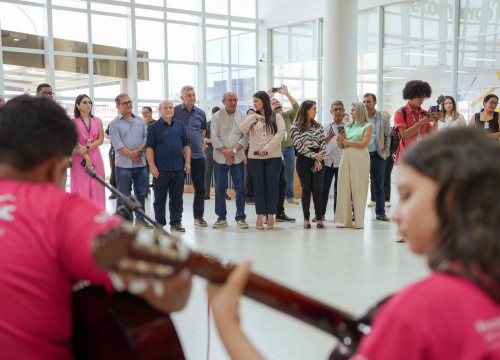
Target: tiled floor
348,269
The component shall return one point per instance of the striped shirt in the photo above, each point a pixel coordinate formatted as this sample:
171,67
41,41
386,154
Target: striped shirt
308,142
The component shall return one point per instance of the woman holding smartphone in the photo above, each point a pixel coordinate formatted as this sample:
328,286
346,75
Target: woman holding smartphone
267,130
354,169
309,140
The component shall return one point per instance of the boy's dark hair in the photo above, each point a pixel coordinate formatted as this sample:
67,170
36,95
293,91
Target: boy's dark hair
34,130
417,88
148,108
42,85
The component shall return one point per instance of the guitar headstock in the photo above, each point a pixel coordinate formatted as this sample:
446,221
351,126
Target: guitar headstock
140,251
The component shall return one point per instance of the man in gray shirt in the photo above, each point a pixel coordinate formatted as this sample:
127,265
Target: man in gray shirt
128,136
228,143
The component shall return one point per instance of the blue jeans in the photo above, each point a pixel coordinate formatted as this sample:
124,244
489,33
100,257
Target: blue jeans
169,183
289,157
266,178
137,177
330,173
237,175
377,175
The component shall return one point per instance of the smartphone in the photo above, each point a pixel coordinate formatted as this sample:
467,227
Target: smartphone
275,89
340,128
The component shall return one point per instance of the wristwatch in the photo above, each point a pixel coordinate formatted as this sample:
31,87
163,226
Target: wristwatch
88,147
235,151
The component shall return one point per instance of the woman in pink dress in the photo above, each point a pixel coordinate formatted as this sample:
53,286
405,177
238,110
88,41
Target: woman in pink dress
87,153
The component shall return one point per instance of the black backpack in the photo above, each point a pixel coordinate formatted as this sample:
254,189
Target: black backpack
396,137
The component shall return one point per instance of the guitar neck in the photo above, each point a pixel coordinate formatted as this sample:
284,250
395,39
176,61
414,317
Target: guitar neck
276,296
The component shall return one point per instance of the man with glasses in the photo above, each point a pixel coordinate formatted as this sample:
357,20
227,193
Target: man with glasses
228,143
195,121
128,136
44,89
332,155
411,121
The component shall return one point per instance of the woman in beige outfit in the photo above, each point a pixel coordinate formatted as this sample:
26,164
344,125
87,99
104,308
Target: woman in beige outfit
354,169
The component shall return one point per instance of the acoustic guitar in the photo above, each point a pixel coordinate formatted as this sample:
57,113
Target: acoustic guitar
152,254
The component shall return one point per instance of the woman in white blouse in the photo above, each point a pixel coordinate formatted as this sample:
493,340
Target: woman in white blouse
451,117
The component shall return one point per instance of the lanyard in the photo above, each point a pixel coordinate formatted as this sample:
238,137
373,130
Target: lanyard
90,125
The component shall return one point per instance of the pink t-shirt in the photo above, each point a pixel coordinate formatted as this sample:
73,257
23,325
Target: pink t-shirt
442,317
45,237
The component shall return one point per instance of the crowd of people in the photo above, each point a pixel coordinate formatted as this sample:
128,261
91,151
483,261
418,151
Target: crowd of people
261,150
447,210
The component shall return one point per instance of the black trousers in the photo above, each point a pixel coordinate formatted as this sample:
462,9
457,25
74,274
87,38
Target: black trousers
198,178
310,182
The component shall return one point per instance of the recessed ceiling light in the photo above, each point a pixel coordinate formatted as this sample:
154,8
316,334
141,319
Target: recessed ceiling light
420,54
481,59
458,71
403,68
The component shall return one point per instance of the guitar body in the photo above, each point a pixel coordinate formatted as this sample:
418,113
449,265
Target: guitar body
121,326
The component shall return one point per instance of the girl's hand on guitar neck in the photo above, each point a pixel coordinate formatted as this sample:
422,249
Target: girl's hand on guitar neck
225,300
166,295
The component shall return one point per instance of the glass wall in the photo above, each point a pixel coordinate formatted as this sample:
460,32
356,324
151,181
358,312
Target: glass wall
456,50
295,61
103,49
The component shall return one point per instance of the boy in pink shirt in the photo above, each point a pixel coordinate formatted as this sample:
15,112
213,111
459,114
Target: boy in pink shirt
46,234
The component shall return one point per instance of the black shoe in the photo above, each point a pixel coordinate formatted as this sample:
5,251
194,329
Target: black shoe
320,226
284,218
382,217
207,197
307,226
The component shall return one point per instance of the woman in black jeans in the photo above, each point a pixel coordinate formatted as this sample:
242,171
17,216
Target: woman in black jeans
309,140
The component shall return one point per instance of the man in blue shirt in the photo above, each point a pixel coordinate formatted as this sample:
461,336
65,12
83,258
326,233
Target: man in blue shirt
195,121
128,136
169,157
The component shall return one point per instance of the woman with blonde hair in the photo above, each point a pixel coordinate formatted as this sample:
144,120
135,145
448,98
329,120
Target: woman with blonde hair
354,169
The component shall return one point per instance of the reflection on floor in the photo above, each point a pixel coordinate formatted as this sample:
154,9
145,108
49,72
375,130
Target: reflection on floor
348,269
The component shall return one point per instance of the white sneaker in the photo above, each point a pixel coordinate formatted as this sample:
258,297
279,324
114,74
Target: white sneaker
242,224
387,204
371,204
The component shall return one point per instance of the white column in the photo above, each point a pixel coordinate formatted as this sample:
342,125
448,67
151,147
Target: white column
340,54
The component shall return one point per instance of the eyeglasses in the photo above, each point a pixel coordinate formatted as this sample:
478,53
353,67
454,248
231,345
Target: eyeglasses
126,103
85,102
338,109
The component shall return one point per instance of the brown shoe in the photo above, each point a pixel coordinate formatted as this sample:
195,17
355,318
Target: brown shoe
177,227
